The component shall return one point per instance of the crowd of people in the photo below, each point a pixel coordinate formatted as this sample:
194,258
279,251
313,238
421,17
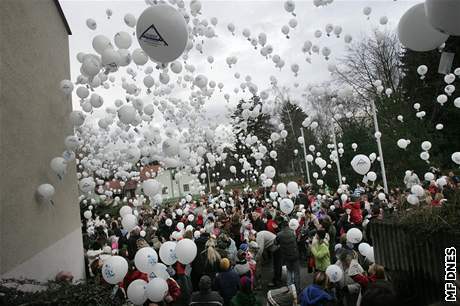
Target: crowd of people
244,241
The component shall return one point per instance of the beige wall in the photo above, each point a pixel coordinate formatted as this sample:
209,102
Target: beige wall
34,53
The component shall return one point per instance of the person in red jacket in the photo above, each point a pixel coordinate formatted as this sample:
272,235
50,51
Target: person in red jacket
132,275
272,226
376,272
174,291
356,214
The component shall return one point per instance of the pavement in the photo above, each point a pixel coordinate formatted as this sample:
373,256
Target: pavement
267,275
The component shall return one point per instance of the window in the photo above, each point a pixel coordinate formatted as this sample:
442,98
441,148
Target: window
186,188
164,190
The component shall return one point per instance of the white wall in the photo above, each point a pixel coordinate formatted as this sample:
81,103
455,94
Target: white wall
36,239
175,187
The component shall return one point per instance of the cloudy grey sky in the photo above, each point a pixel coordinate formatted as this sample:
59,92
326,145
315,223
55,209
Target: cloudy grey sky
257,16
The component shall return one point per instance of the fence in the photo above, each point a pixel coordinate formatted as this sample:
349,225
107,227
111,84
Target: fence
415,263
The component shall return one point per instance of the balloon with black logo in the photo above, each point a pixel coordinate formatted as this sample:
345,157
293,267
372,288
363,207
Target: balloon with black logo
162,33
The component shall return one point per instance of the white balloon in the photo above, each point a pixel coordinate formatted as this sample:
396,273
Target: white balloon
72,143
422,70
370,254
122,40
125,210
281,188
413,22
293,188
100,43
456,157
91,24
231,28
136,292
162,33
363,248
367,10
46,191
293,224
402,143
159,270
426,145
59,166
429,176
186,251
151,187
87,214
156,289
114,269
129,222
139,57
145,259
371,176
425,155
361,164
417,190
168,253
87,184
170,147
96,100
354,235
66,86
130,20
77,118
443,15
127,114
334,273
270,171
412,199
82,92
286,206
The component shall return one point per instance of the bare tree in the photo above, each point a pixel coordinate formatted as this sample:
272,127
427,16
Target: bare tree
373,58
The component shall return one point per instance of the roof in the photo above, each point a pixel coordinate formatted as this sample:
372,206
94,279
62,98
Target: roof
151,169
64,20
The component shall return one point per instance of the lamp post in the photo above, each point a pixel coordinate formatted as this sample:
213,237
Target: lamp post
337,162
305,156
379,146
209,179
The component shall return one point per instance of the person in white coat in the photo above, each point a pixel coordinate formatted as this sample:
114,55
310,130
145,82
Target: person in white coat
266,243
348,289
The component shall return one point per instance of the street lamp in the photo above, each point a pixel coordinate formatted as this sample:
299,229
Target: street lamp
379,146
305,156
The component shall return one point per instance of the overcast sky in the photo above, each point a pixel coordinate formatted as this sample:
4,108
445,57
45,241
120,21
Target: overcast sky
258,16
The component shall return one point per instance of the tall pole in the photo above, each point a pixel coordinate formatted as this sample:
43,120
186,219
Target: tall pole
379,146
339,172
305,156
171,177
209,179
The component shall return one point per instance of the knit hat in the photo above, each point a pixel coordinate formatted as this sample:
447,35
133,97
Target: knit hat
224,264
244,247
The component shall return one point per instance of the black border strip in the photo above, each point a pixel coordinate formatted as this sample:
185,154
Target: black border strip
61,12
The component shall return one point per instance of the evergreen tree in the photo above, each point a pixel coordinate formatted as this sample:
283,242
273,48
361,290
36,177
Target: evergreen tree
291,117
247,121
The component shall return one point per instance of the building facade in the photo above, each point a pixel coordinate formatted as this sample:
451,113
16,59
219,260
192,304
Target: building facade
37,240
